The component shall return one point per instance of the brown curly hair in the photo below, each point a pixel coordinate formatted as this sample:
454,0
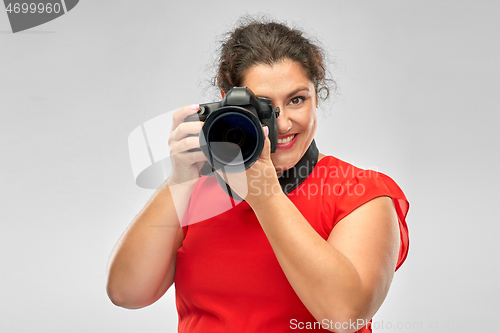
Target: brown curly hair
267,42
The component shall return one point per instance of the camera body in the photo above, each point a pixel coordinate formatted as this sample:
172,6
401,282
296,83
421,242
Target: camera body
232,138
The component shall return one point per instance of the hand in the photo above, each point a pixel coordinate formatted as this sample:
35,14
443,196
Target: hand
259,182
186,165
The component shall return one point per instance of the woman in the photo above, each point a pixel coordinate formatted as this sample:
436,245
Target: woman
314,250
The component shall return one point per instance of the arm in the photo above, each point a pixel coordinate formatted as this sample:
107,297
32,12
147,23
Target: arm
142,265
345,278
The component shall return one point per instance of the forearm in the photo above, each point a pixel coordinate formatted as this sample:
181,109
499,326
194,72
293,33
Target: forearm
323,278
142,261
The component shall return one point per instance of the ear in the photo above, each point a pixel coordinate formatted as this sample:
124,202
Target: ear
222,93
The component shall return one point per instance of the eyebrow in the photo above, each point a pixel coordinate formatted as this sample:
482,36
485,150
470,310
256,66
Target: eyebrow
297,90
293,92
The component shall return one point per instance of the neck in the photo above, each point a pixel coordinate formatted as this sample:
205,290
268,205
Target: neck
291,178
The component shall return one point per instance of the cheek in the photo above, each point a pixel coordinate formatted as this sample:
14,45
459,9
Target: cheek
308,121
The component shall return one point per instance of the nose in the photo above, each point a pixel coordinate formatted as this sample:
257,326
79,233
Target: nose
284,123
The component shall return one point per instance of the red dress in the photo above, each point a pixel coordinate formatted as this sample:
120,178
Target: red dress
227,277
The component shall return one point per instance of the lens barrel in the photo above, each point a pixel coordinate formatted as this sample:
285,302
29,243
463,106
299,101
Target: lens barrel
233,139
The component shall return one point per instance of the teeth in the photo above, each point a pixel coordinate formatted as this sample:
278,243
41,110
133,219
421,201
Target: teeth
287,139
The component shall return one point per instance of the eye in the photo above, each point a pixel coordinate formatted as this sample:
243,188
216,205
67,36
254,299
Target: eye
297,100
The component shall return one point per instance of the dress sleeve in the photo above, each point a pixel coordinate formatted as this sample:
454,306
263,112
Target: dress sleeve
368,185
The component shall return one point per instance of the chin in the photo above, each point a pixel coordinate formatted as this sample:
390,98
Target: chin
284,159
284,162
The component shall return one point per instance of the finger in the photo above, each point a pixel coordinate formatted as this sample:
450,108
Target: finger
189,158
179,115
184,129
200,165
190,142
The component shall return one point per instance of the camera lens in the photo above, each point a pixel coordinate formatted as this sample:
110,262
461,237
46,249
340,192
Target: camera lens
232,135
235,136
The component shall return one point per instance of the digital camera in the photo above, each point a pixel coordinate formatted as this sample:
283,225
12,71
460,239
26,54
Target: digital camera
232,138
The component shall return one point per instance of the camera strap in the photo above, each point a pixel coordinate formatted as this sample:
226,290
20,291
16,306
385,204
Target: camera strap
290,179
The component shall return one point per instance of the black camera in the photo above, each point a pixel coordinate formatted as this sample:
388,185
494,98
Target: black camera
231,137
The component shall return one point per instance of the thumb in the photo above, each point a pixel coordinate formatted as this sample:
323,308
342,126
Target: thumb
266,131
266,151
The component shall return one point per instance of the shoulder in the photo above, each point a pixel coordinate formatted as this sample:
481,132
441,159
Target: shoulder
348,187
349,178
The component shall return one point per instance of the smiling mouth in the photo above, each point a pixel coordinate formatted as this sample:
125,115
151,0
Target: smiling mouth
287,139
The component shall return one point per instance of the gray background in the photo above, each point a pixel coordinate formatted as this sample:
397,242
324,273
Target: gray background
418,101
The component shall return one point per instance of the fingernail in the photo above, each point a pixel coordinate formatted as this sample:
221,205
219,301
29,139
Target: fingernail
195,106
266,130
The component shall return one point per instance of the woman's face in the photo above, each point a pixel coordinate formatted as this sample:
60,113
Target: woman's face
286,84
